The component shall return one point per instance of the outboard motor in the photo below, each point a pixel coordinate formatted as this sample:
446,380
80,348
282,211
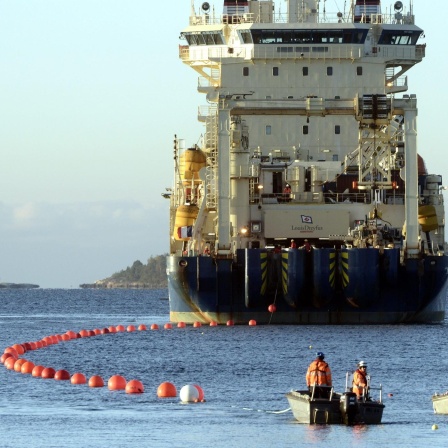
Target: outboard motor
348,405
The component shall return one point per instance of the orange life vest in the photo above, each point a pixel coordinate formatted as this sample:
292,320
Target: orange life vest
359,382
318,374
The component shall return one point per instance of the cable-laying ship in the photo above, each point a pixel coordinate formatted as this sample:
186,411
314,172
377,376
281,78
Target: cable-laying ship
306,201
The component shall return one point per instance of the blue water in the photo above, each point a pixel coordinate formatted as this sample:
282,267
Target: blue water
244,372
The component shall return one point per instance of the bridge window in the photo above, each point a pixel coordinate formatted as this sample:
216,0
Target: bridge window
294,36
245,71
337,129
204,38
275,71
246,36
305,129
268,129
329,71
359,71
305,71
399,37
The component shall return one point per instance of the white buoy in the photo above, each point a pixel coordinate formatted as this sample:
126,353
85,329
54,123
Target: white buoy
189,394
434,427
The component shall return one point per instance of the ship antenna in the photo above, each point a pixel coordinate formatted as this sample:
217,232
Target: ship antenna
192,8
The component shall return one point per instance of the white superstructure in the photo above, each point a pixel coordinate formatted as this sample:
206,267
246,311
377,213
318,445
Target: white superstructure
308,99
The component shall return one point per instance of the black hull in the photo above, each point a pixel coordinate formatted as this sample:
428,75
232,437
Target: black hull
326,286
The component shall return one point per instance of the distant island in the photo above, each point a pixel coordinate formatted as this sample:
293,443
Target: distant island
148,276
18,285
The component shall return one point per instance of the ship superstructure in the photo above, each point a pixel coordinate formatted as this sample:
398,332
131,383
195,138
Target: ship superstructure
307,191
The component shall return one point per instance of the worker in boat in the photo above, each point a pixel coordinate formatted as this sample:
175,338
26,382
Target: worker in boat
360,383
287,193
293,245
319,374
206,251
307,246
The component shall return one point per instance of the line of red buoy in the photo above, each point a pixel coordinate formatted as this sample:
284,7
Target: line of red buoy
11,358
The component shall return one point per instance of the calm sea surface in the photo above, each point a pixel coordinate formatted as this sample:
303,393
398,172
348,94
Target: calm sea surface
244,372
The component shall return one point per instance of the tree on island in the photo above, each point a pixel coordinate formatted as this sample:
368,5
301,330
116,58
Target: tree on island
151,275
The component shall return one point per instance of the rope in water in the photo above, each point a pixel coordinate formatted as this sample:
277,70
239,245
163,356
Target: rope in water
267,412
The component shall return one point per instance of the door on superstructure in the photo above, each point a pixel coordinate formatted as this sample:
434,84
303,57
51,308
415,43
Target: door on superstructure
277,182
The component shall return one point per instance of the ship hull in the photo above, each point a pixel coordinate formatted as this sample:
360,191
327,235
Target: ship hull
320,289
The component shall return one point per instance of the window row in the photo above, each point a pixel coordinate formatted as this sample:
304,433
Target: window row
342,36
305,71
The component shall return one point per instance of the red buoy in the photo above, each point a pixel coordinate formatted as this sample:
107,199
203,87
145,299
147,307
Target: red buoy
116,382
201,392
168,326
97,331
48,373
230,323
9,362
213,323
78,378
252,323
96,381
197,324
66,337
27,367
166,390
120,328
37,371
62,375
105,331
272,308
154,327
19,348
134,387
71,333
181,325
142,327
130,328
112,329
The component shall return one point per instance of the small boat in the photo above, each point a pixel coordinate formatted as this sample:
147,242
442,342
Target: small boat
322,405
440,403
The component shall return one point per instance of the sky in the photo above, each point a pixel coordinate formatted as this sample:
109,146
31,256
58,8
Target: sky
92,93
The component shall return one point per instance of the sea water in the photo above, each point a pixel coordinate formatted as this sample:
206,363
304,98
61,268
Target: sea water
244,371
